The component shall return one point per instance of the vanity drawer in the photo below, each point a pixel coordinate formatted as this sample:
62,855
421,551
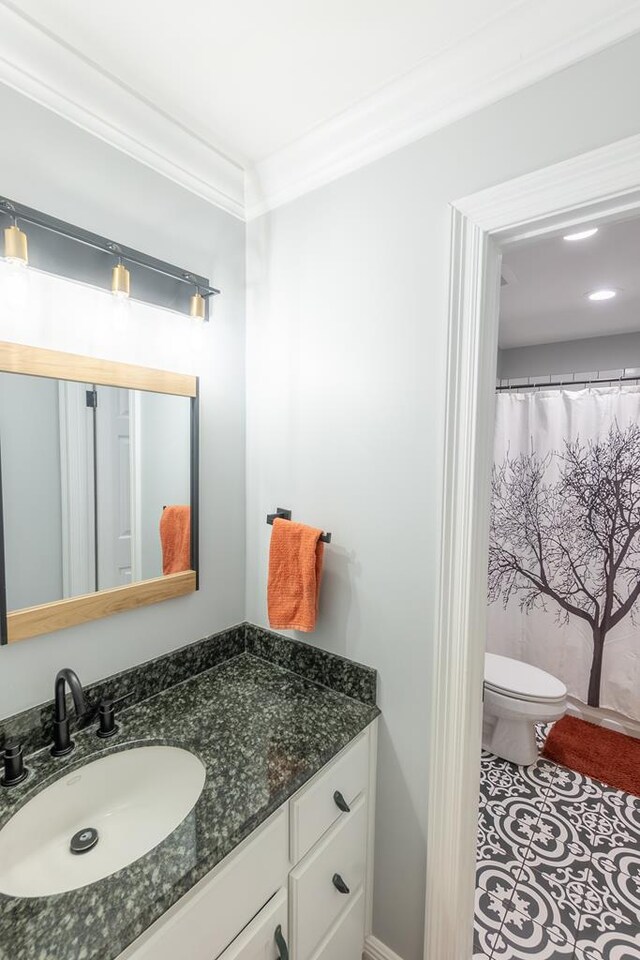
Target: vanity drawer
316,902
314,809
265,935
346,940
207,919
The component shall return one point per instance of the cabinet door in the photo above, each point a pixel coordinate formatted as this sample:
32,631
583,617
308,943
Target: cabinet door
327,881
214,912
346,940
325,799
266,937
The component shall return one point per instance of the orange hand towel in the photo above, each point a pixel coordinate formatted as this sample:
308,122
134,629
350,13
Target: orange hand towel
295,569
175,537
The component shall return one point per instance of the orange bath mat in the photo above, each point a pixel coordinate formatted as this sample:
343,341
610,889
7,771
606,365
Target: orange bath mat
613,758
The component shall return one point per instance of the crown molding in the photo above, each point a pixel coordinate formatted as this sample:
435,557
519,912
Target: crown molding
54,74
534,39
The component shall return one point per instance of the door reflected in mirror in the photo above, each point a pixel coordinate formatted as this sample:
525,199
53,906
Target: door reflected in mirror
87,472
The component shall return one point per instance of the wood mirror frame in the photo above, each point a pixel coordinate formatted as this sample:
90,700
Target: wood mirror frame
48,617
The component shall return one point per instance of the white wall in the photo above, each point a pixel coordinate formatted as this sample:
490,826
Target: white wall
56,167
347,303
571,356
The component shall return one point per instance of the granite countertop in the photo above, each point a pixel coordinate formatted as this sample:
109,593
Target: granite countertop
261,732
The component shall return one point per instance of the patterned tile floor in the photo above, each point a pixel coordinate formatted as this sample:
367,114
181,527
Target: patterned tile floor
558,866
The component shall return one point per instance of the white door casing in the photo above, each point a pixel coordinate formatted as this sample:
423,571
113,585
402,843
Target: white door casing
601,184
77,506
113,458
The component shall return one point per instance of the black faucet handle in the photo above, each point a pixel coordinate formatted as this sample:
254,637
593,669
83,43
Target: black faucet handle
13,761
107,715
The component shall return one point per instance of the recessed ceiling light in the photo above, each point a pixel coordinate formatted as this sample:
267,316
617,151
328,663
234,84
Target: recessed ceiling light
602,294
581,234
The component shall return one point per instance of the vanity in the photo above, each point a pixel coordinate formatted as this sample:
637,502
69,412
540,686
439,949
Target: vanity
296,887
275,858
216,803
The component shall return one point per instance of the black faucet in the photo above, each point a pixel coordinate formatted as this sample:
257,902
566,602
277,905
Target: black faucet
62,742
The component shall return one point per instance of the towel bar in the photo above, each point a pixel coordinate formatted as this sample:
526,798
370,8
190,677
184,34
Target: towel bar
283,514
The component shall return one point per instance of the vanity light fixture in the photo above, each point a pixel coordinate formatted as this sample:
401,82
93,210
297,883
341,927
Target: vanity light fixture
120,280
197,306
16,248
197,303
120,276
604,294
581,234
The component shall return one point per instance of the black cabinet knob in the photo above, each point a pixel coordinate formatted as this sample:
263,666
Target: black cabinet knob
340,802
13,762
281,944
339,884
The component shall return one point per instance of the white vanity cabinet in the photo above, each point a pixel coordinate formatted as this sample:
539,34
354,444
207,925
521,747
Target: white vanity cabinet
298,888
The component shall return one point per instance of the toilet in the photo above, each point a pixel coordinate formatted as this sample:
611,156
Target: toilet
517,696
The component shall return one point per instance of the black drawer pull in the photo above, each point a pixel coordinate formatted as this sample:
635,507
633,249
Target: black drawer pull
281,943
340,802
339,884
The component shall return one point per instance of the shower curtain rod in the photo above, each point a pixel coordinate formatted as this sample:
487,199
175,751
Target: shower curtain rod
566,383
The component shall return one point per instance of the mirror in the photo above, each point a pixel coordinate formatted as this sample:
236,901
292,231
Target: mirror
97,482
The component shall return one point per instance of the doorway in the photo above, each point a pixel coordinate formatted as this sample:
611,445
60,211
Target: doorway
595,186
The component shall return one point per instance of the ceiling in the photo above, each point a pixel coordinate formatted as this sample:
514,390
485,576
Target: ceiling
543,299
250,103
251,76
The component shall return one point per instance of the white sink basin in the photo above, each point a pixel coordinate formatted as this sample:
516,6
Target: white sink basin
133,799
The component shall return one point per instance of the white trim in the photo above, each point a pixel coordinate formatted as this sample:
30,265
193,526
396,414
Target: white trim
375,949
135,467
77,495
372,792
566,188
594,185
45,68
529,42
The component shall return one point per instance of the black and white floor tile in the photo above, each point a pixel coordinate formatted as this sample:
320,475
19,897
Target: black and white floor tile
558,865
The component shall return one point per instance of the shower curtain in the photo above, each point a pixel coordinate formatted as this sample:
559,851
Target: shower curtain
564,555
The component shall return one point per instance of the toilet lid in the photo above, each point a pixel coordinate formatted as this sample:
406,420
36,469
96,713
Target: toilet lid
512,678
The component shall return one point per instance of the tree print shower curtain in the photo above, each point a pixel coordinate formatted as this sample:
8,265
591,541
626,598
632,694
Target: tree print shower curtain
564,543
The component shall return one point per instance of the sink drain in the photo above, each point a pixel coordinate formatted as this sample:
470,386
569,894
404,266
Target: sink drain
84,840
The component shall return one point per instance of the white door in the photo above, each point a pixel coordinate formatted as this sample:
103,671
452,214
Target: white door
113,473
77,489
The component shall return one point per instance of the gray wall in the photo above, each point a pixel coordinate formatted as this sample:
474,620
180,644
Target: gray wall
571,356
55,166
30,443
165,468
347,308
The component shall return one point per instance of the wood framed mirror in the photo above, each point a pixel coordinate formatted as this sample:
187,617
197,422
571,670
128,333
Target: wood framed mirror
98,488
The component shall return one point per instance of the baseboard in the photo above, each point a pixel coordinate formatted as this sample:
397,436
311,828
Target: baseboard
374,949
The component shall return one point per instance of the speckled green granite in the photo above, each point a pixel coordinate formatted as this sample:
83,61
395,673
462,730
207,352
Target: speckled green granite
261,732
32,728
331,670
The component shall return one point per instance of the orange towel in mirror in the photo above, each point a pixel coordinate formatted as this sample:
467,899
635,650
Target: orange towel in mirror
175,537
295,569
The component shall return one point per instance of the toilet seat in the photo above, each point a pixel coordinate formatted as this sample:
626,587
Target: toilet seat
521,681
